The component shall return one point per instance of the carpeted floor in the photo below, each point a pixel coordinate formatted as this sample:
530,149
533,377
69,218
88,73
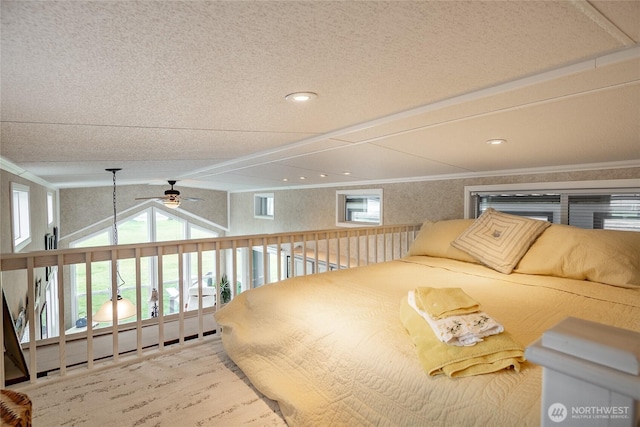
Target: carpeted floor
196,385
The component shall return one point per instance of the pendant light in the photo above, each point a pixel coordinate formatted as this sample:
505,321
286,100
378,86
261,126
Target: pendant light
124,307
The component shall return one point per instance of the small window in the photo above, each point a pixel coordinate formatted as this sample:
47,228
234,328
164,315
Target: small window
588,204
50,216
263,205
359,208
20,216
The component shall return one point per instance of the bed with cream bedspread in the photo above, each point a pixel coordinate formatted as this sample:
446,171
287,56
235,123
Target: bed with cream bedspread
331,349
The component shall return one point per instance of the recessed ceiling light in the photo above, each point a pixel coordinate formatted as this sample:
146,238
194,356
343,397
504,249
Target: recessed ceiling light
323,175
285,179
301,96
303,177
496,141
346,173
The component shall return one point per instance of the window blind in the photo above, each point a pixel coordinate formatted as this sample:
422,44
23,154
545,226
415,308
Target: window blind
614,211
602,210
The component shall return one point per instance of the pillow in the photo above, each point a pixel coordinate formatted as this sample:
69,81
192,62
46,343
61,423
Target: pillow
499,240
605,256
435,240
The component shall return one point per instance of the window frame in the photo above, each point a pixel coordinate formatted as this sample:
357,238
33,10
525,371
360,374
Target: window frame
23,211
261,208
51,216
341,206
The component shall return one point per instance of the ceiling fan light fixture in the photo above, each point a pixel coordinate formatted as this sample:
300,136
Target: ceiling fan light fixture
171,203
301,97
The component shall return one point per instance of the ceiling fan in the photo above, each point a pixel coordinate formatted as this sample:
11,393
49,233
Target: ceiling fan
171,198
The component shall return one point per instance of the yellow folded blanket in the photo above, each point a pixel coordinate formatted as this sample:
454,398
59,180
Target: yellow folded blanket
495,353
443,302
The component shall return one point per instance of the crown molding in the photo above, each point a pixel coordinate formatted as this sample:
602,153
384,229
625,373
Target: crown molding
10,167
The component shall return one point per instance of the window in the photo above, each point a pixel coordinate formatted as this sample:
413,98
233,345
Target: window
50,216
537,206
263,205
582,204
150,225
20,216
359,208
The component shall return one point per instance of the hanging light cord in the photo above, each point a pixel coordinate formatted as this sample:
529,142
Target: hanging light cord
115,231
115,226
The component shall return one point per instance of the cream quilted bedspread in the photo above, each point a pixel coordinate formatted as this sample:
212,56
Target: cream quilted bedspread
330,348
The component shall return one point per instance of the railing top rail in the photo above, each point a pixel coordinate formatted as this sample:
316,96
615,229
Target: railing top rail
43,258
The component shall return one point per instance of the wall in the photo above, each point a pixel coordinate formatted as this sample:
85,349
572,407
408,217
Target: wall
87,210
14,283
411,202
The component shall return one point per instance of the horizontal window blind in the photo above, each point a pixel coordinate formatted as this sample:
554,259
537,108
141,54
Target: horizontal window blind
615,211
604,210
538,206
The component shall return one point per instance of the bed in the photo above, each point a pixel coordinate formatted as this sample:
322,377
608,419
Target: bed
331,348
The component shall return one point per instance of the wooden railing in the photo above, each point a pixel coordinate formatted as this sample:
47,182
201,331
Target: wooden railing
283,255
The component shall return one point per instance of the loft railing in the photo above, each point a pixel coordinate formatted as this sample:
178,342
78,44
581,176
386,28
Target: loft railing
52,341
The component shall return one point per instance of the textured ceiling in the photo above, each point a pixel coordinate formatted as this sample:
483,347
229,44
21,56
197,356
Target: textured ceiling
194,91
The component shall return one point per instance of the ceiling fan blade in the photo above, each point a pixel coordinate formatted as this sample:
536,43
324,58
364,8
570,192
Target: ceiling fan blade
171,196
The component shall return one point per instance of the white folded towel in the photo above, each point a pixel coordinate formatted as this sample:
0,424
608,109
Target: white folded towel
460,330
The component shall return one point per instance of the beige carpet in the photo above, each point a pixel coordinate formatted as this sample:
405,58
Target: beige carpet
195,385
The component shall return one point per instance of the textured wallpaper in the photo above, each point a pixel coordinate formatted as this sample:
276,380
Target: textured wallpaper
404,203
86,210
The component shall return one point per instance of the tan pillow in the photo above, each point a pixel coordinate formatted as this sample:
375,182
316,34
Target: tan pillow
435,240
605,256
499,240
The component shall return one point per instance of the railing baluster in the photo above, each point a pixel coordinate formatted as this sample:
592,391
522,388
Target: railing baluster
348,248
88,283
138,304
315,253
358,248
304,254
160,298
278,256
33,370
293,256
338,255
250,262
366,246
327,251
114,303
218,276
200,295
393,245
181,306
234,269
375,236
265,262
61,338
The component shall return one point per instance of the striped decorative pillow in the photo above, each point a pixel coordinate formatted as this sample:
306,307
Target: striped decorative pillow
499,240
